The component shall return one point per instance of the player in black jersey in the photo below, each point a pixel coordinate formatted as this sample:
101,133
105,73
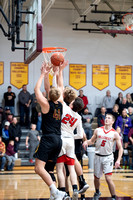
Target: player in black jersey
51,143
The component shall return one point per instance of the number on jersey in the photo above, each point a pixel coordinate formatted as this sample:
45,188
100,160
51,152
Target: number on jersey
69,119
103,143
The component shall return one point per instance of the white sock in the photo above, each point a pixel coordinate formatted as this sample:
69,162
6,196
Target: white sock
52,188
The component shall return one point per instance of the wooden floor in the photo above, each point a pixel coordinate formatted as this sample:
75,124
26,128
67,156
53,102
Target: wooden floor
23,183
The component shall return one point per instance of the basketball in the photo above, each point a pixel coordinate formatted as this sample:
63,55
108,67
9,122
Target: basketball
57,59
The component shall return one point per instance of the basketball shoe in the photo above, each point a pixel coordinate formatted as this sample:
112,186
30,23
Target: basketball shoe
83,187
59,195
75,195
96,196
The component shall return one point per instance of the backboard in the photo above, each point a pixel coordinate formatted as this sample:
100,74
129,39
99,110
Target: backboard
33,32
115,30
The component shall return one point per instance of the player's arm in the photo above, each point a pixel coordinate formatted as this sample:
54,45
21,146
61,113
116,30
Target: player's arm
80,131
91,141
40,98
60,79
119,145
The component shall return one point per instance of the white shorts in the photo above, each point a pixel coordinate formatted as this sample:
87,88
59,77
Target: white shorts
68,147
103,164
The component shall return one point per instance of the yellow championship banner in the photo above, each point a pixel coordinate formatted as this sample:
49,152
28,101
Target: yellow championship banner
77,75
100,76
123,77
1,73
19,74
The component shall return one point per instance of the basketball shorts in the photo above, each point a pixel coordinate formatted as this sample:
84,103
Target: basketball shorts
49,148
103,164
68,147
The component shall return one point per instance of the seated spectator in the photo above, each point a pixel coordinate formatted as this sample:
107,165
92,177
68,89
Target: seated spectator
124,122
129,100
130,113
119,99
2,155
108,101
15,134
115,113
5,133
101,117
10,155
87,119
84,98
123,105
1,118
130,144
34,138
9,118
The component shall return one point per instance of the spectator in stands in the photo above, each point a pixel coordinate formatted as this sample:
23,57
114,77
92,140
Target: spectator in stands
126,161
130,144
24,106
9,98
5,133
108,101
123,105
87,119
119,99
129,100
132,96
34,114
1,118
130,113
8,117
115,113
101,117
124,122
39,119
15,134
2,154
34,138
10,155
84,98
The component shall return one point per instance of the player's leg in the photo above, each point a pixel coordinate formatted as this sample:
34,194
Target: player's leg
97,176
83,186
107,169
60,175
111,185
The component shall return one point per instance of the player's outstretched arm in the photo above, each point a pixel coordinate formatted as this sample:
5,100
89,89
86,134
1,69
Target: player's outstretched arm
40,98
91,141
118,142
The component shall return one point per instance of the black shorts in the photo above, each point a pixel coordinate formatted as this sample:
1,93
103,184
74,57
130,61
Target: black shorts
49,147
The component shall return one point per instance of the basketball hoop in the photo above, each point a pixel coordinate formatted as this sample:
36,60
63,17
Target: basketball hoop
127,21
48,52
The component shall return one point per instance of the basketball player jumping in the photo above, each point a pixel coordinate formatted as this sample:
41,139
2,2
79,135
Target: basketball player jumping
103,162
50,144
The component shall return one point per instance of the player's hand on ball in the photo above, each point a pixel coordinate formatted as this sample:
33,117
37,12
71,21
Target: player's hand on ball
64,64
45,69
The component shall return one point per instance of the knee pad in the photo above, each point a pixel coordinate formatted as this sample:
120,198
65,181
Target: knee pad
50,166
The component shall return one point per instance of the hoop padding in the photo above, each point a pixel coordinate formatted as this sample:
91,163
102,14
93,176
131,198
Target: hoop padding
48,52
127,21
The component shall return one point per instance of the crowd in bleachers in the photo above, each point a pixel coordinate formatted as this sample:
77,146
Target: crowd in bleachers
10,129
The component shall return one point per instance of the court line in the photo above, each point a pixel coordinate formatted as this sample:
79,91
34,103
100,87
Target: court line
118,191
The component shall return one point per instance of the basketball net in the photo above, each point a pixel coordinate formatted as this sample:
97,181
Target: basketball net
47,53
128,21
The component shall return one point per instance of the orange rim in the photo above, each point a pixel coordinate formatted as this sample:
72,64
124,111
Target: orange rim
53,49
124,16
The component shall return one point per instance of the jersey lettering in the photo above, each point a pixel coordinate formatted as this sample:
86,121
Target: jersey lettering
56,114
103,143
69,119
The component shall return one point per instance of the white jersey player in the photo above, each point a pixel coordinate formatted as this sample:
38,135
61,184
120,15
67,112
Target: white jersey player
70,120
103,162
